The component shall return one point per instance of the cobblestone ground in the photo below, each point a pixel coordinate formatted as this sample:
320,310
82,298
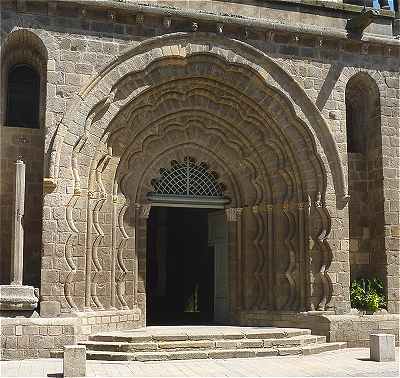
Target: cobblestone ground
346,362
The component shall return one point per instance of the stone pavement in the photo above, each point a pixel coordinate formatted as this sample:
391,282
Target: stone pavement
345,362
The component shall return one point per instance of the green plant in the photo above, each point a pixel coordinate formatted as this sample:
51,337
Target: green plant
367,294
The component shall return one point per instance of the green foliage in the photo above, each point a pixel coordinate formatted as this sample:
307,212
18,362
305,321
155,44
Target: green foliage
367,294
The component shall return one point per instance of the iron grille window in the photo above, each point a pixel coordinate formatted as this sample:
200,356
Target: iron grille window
188,178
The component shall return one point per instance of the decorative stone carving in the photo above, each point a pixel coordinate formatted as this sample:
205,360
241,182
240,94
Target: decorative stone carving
140,18
17,297
195,26
167,22
233,214
145,211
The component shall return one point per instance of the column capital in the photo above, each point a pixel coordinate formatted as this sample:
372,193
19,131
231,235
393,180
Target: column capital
233,214
144,210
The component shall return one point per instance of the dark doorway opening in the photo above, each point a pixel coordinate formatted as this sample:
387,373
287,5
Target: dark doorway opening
180,267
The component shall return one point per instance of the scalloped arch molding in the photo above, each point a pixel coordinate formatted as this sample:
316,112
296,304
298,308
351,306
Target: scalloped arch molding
99,92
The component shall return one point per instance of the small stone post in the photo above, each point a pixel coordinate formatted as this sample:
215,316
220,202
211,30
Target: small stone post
17,247
74,364
382,347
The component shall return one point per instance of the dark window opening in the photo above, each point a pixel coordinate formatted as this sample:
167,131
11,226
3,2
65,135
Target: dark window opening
356,121
23,96
353,143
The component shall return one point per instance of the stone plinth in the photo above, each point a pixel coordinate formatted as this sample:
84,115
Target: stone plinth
382,347
17,297
74,363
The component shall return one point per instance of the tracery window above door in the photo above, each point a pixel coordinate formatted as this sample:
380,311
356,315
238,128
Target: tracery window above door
188,183
188,178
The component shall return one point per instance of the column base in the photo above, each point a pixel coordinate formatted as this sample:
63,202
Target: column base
17,298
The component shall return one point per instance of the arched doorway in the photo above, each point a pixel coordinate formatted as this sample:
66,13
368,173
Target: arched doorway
187,246
220,111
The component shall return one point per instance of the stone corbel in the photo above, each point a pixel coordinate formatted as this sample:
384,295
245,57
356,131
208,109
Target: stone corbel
361,21
52,8
21,6
49,185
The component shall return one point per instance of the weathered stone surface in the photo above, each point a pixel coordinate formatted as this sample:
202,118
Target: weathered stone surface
288,168
382,347
17,297
74,363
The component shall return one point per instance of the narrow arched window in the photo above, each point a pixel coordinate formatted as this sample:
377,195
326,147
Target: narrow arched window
357,122
23,97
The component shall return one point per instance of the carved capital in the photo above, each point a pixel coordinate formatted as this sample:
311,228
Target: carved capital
140,18
112,15
301,206
364,48
195,26
167,22
233,214
387,51
144,211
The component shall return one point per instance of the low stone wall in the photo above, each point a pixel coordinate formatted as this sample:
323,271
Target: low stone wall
354,329
37,337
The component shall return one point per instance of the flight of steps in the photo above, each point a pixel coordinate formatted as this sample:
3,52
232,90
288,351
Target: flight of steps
177,343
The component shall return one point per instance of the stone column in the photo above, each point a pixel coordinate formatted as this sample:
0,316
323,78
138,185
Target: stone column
234,219
17,296
17,246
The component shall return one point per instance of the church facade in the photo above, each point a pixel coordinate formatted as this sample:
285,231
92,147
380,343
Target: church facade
198,162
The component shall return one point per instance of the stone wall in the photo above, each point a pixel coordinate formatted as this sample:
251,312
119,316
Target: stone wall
308,69
38,337
353,329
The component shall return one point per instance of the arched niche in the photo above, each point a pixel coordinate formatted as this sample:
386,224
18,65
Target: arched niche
365,177
23,78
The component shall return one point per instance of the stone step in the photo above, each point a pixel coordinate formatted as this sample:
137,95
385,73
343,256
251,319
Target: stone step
325,347
145,336
212,353
124,346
